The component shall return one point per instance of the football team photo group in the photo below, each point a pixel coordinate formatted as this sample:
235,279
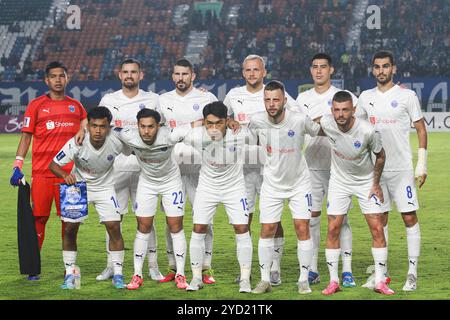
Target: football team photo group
154,156
206,157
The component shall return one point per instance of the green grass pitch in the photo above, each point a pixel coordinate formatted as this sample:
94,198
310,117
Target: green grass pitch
434,262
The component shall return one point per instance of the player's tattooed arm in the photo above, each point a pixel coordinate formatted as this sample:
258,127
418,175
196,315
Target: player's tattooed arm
421,167
377,171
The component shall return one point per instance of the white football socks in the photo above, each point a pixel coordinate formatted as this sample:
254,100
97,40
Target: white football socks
314,230
208,249
265,256
332,257
304,255
244,249
413,240
179,249
196,252
380,258
140,251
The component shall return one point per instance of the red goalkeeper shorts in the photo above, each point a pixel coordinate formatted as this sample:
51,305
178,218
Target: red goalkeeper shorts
43,191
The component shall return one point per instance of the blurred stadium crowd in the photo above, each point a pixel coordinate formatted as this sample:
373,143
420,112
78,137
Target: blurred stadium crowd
217,36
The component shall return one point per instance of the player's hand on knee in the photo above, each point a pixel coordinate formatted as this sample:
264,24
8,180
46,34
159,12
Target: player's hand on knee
70,179
16,177
377,192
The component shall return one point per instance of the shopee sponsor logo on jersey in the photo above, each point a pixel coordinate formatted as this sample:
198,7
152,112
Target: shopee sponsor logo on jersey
342,156
152,160
125,123
375,120
52,125
242,116
270,150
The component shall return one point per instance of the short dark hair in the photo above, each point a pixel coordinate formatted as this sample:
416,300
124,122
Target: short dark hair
99,113
383,54
342,96
183,62
130,61
216,108
324,56
148,113
54,65
274,85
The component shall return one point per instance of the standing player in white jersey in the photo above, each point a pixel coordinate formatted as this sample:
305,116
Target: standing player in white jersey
221,181
242,103
281,133
316,102
391,109
353,173
182,109
160,175
94,165
124,104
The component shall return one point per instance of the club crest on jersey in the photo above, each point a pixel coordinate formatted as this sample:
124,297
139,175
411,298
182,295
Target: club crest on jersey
357,144
394,104
291,133
196,107
73,194
141,106
72,108
110,157
329,103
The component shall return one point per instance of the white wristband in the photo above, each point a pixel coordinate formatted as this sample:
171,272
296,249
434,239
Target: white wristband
19,158
421,167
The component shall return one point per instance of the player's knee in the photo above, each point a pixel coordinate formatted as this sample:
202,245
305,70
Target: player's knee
240,228
409,219
200,228
268,230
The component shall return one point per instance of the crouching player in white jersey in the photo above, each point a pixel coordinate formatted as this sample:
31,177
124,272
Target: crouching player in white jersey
159,176
221,181
316,102
182,109
242,103
392,109
124,105
94,164
352,173
281,133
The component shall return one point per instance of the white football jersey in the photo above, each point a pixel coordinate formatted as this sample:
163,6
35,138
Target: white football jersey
243,104
351,162
315,105
124,111
222,161
179,112
283,142
391,113
91,165
155,160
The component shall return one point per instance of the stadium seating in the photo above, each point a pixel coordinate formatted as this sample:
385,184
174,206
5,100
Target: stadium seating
286,32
